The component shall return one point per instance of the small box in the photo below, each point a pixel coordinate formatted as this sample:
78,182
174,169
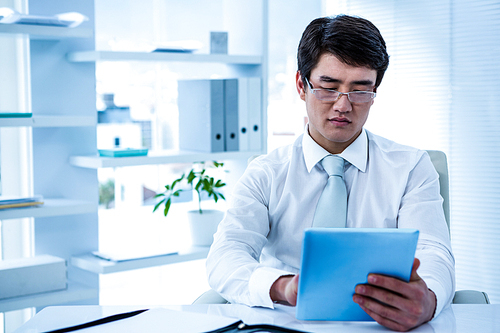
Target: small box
218,42
25,276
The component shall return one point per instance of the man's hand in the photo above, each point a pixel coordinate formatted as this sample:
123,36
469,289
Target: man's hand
284,290
396,304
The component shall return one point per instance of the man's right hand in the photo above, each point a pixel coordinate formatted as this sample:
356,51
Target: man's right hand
284,290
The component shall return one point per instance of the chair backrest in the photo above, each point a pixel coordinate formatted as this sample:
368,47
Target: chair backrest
440,162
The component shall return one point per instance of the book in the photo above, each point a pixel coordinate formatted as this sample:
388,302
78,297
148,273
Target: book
19,202
123,152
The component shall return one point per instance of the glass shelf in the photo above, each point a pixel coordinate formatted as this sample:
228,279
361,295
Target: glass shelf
49,121
164,157
46,32
93,264
94,56
51,207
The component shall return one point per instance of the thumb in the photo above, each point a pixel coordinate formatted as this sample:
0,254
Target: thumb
414,276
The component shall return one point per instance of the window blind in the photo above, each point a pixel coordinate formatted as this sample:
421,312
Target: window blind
440,93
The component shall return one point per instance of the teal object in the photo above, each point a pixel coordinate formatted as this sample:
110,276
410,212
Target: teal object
15,115
122,152
335,260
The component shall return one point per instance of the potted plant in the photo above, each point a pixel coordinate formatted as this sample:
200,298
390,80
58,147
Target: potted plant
203,223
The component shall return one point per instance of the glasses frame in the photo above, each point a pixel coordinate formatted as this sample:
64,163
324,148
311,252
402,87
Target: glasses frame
348,94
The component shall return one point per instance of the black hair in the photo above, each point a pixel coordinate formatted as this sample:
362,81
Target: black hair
353,40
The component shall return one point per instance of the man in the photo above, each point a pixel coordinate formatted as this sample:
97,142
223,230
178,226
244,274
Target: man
255,257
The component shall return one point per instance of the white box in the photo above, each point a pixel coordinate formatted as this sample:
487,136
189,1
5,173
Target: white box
25,276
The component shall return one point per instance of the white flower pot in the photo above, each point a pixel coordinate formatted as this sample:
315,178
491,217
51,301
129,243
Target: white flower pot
203,226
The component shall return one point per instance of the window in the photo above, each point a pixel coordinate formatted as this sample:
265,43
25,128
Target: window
438,93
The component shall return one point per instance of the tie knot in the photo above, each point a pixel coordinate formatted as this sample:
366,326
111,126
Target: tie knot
333,165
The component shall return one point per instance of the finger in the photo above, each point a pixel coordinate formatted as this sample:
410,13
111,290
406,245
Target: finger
382,310
389,283
393,325
414,276
382,296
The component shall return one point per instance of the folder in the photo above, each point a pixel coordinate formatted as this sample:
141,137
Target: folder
254,114
201,115
231,142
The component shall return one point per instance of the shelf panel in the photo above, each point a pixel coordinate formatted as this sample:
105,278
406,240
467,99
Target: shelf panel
51,207
46,32
75,292
93,56
93,264
49,121
165,157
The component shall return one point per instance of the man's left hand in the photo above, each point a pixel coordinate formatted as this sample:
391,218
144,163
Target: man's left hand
396,304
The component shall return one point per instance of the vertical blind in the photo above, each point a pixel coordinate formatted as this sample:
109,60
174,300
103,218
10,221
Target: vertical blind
440,93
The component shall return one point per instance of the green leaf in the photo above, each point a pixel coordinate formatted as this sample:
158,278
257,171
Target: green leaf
158,205
191,176
167,206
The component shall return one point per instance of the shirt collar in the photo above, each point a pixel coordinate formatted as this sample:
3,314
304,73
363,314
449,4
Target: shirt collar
356,153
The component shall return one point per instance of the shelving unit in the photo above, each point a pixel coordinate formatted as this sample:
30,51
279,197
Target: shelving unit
241,65
93,264
63,123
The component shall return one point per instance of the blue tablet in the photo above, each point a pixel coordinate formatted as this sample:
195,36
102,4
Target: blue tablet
335,260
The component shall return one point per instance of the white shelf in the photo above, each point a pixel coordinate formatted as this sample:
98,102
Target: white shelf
46,32
49,121
51,207
165,157
94,56
74,292
93,264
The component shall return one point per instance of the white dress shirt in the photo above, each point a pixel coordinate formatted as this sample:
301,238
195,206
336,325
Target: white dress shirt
388,186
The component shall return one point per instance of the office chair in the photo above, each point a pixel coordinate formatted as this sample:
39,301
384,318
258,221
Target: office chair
440,163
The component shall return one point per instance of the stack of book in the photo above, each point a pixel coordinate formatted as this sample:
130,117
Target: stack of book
18,202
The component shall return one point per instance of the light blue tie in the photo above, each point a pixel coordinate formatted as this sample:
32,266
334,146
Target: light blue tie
331,210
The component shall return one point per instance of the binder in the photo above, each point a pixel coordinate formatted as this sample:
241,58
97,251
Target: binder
243,120
254,114
231,135
201,115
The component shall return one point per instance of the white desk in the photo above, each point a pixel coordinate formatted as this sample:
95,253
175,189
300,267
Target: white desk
457,318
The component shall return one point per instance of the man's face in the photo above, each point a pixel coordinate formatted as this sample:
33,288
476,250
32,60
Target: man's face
335,125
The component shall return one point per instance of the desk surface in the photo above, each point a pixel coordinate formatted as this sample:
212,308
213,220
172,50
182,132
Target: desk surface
457,318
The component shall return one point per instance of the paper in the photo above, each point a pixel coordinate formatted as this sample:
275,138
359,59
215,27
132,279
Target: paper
134,254
177,46
164,320
70,20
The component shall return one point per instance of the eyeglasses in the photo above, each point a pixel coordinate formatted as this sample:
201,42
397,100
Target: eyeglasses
331,95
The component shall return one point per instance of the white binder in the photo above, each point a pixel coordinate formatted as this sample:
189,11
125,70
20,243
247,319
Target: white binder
231,135
201,115
255,114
